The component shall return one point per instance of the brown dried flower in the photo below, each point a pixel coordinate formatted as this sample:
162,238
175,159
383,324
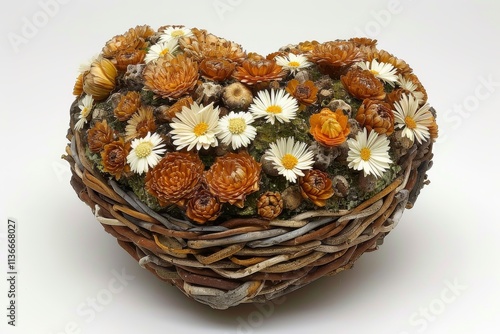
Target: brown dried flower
166,114
270,205
176,178
237,96
307,46
433,129
99,136
140,123
233,176
127,106
128,48
203,206
171,78
316,186
253,71
376,115
217,69
362,42
100,80
362,84
383,56
305,93
203,45
114,158
125,58
78,87
335,57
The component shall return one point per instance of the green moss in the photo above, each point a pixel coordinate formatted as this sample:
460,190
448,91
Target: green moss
136,183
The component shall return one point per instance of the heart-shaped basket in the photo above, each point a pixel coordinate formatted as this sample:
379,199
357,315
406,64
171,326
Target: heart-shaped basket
239,178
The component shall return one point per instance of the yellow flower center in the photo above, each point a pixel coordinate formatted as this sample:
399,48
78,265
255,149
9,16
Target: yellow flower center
410,122
200,129
237,125
294,64
374,72
274,109
289,161
85,112
164,52
177,33
365,153
144,149
331,128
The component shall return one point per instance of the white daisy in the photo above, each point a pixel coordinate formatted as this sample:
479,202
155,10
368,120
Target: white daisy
195,126
411,87
290,158
161,49
384,71
174,33
145,153
413,120
85,106
293,62
274,105
369,153
235,129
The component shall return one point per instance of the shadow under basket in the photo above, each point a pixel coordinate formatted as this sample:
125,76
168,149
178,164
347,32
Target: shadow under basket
246,260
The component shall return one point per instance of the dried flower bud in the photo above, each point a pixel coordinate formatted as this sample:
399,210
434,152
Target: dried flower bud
316,186
203,207
270,205
99,136
377,116
114,158
127,105
362,84
100,81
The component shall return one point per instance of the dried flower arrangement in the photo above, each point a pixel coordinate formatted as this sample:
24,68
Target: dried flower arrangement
182,131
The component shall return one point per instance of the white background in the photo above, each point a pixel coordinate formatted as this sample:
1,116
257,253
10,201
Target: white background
437,272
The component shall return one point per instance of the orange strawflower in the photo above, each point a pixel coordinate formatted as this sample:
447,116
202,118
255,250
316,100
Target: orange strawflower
329,128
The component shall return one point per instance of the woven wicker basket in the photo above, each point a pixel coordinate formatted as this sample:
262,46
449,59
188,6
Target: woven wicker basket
244,259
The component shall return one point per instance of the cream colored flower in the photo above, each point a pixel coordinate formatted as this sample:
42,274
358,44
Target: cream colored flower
174,33
85,106
293,62
145,153
413,120
274,105
161,49
234,129
383,71
411,87
290,158
369,152
195,127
